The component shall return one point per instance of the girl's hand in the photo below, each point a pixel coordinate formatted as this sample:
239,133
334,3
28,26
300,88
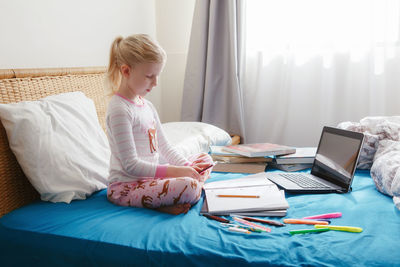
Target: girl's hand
199,167
200,159
183,171
204,170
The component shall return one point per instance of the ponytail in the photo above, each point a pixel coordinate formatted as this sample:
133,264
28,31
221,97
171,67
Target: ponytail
113,76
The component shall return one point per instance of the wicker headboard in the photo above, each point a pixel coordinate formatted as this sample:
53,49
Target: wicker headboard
31,84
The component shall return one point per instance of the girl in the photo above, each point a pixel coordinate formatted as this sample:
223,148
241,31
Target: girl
137,139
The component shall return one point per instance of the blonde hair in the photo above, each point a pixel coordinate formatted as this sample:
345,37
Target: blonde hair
132,50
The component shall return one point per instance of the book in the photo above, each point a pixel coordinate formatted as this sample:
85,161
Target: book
302,155
218,154
218,151
289,167
260,213
267,199
240,167
259,149
242,159
248,194
258,179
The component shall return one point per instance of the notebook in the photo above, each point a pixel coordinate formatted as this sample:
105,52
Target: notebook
262,213
333,167
268,196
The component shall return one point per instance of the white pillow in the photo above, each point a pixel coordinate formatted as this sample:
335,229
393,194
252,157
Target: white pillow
59,145
191,138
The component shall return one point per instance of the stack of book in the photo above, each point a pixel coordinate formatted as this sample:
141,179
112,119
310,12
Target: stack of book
302,159
254,158
252,195
234,162
247,158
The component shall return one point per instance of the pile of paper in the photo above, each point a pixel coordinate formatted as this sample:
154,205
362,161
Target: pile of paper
249,195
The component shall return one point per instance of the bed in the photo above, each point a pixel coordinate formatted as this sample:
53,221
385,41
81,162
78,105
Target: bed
96,232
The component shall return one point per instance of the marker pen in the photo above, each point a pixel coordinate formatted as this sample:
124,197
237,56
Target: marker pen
238,230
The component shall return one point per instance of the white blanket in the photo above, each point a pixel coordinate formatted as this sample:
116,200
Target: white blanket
380,152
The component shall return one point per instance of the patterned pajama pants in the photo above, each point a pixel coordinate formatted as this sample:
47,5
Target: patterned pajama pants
155,193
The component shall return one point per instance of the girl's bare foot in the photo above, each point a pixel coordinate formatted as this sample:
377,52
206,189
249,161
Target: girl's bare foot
175,209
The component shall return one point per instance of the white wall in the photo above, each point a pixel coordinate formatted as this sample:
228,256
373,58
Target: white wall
67,33
174,23
78,33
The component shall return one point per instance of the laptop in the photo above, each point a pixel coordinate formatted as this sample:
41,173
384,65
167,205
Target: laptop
333,167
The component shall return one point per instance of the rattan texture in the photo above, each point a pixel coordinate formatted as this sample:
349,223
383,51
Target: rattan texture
29,85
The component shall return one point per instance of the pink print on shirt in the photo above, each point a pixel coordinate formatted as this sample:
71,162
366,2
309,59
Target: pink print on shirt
153,139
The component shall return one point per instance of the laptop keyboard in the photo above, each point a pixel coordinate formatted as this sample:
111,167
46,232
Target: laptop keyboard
303,181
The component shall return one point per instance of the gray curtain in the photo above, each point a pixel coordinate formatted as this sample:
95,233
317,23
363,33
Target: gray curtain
212,91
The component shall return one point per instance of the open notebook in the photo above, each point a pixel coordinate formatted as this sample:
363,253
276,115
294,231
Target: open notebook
268,196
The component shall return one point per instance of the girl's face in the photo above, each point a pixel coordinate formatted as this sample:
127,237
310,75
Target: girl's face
141,79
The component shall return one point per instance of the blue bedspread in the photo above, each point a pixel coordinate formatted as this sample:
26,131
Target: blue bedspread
96,232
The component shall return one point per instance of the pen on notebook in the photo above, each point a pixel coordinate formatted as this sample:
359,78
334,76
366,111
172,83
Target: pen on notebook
302,221
251,219
341,228
325,216
216,218
305,231
242,196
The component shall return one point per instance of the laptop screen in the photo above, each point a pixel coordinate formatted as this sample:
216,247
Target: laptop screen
337,155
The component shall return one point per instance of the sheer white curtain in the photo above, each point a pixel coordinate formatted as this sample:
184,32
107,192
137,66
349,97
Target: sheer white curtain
312,63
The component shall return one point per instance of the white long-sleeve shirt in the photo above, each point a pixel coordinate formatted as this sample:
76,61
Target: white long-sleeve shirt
136,140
